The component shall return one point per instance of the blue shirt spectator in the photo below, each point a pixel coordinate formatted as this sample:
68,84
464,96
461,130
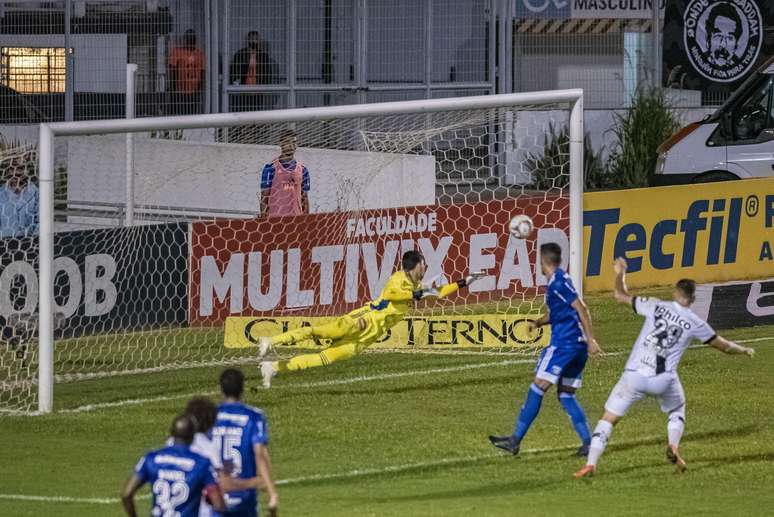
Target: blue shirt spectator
267,175
285,182
19,200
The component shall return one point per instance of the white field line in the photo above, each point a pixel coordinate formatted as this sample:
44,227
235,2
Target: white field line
389,469
334,382
341,475
58,499
73,377
319,384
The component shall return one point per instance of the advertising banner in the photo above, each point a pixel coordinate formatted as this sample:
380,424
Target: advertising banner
546,9
597,9
712,232
104,280
713,45
442,332
329,264
736,304
619,9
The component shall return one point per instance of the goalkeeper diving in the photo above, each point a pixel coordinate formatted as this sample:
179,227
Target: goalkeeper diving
354,332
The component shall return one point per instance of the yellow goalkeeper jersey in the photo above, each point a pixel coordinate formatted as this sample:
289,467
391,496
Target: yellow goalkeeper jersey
396,299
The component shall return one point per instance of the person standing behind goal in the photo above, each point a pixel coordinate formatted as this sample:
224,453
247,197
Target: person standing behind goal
651,370
285,181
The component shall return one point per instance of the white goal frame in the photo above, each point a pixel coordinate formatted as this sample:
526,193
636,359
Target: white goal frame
573,97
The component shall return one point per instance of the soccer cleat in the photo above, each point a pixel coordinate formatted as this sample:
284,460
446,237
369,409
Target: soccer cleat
506,443
264,347
583,451
587,471
673,455
267,373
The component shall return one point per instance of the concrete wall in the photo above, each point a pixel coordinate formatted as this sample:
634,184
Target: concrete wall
212,176
557,60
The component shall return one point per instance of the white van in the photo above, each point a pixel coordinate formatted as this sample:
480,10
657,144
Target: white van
735,142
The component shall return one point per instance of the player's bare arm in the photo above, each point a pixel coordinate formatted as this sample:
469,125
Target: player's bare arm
263,467
265,201
585,317
729,347
233,484
542,321
620,292
215,497
305,202
127,497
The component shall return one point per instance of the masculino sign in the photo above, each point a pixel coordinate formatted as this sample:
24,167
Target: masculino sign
711,232
332,263
561,9
104,280
442,332
642,9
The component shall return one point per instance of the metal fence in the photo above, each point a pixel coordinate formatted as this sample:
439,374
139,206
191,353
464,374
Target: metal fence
65,60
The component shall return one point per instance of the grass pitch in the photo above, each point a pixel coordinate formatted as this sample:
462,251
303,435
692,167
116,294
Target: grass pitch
405,434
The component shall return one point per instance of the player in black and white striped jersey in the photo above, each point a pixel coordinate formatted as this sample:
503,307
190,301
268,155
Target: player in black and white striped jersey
668,330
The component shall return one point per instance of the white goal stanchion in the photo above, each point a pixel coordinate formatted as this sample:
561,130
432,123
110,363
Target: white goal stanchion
199,269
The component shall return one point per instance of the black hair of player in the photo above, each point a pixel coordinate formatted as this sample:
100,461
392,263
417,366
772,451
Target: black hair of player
552,253
687,288
411,259
232,383
203,411
183,429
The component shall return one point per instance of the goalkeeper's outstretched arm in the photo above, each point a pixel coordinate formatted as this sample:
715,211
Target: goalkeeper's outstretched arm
448,289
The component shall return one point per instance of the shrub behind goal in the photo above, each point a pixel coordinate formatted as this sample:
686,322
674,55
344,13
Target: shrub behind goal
152,255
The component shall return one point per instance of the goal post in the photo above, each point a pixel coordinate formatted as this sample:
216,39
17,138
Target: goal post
463,136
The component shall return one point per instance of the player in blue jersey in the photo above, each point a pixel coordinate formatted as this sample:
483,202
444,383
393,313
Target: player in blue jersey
241,438
562,362
178,477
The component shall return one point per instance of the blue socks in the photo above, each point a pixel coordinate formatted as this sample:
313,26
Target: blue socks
531,408
578,417
529,411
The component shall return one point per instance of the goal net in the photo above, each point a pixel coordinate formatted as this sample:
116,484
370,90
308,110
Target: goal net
180,243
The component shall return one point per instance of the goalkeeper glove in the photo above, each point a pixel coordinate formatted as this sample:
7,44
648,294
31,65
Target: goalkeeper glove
465,282
426,291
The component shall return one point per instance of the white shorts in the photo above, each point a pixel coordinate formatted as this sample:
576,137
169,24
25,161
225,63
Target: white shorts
634,386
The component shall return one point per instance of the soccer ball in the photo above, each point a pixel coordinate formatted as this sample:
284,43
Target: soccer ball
521,226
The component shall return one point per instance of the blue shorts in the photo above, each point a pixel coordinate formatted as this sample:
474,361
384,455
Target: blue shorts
562,365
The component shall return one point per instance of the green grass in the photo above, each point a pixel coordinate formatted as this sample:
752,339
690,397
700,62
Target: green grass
419,443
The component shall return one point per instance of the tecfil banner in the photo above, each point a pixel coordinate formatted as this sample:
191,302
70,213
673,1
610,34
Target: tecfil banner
330,263
712,232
